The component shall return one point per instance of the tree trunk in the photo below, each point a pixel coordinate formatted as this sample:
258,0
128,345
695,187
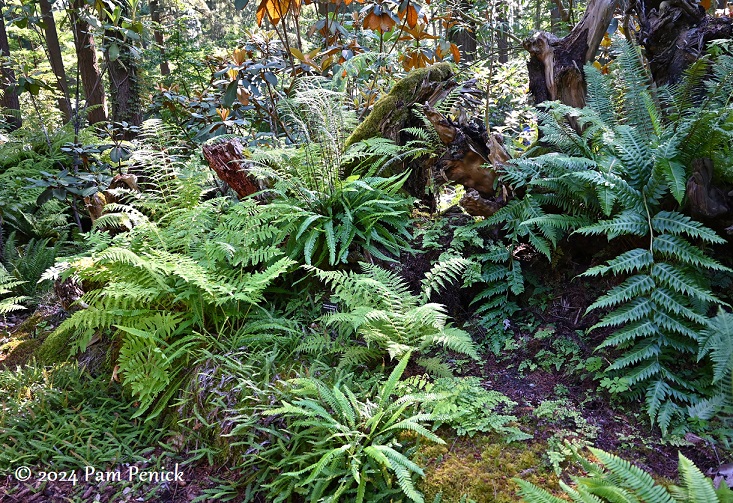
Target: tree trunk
556,65
123,80
55,59
9,99
158,35
465,37
502,41
674,34
86,54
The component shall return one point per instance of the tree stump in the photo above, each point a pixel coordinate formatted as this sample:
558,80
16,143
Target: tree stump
226,159
675,33
469,147
556,64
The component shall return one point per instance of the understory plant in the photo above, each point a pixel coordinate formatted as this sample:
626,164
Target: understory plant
466,406
379,315
173,284
342,445
326,218
623,176
612,479
60,418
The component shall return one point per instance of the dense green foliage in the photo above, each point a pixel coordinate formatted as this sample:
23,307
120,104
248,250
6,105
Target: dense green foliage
615,479
619,179
326,339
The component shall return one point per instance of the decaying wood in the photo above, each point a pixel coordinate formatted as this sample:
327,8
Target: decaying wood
226,158
68,292
675,33
478,206
556,65
96,202
469,147
703,198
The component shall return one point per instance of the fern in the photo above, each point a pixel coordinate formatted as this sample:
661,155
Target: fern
615,479
620,176
363,457
378,307
163,292
10,303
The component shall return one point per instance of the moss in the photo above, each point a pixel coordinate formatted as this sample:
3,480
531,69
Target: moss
55,349
17,352
402,93
482,468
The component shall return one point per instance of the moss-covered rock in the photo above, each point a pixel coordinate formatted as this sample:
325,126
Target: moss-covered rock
398,102
17,352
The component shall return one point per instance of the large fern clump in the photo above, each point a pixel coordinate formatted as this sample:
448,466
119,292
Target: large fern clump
379,315
620,170
168,288
614,479
325,217
183,275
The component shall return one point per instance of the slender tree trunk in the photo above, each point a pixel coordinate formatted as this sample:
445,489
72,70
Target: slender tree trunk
158,35
54,57
502,41
9,99
123,80
86,54
465,38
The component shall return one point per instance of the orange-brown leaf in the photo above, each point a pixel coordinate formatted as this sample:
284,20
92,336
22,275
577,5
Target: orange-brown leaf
706,4
239,55
371,22
455,52
386,22
261,10
411,16
243,96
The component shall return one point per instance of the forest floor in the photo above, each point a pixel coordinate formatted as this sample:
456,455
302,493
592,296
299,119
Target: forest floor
545,364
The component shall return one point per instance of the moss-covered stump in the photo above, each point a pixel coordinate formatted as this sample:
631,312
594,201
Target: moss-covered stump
391,113
20,344
34,339
482,469
17,352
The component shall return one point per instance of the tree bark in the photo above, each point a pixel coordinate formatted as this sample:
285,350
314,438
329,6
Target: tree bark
9,99
123,80
226,160
55,59
674,34
502,41
158,35
86,54
465,37
556,65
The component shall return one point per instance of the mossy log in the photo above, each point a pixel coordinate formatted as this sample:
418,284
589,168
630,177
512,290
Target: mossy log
469,147
392,113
